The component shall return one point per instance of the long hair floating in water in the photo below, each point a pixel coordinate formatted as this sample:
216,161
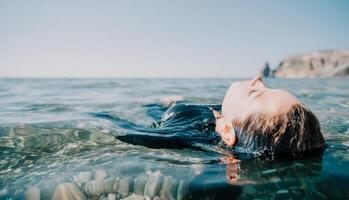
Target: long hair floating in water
294,134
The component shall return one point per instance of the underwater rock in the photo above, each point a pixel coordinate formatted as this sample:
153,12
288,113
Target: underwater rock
68,191
48,187
82,178
100,174
153,184
85,177
125,186
139,184
32,194
182,190
135,197
169,188
96,188
103,197
77,181
111,196
116,184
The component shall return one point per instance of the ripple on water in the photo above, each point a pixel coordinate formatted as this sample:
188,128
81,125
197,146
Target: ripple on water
51,147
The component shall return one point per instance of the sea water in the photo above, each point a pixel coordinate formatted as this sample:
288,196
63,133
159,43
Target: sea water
52,143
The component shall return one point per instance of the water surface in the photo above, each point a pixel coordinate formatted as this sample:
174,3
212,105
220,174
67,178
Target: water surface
49,136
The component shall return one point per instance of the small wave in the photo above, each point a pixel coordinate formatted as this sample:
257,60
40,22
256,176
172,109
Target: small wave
47,107
168,100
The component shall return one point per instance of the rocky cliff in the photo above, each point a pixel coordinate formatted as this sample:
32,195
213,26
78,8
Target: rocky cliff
313,65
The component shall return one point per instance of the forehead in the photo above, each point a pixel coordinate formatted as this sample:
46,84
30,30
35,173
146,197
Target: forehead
236,87
234,97
269,101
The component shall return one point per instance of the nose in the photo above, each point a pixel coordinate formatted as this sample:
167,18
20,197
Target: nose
255,80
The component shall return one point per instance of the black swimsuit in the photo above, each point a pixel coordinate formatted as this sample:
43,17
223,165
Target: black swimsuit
187,117
182,125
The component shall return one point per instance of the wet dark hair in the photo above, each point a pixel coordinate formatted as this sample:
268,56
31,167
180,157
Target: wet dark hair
295,133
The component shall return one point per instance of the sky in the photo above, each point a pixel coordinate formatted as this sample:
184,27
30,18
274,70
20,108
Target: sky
163,38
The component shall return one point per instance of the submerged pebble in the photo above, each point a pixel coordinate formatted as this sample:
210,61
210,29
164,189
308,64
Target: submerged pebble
169,188
103,197
182,190
153,184
116,184
139,183
125,186
135,197
32,194
48,187
68,191
111,196
77,181
100,174
84,177
96,188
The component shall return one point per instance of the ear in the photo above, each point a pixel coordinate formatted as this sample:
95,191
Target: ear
225,129
229,136
217,114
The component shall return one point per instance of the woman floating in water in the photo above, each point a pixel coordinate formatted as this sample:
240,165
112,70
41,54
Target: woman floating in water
253,119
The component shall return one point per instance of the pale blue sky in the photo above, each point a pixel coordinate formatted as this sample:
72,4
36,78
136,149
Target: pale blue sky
163,38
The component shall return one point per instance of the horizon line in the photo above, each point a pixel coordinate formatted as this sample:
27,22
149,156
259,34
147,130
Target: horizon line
124,77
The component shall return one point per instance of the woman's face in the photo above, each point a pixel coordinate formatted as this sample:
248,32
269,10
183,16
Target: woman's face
246,98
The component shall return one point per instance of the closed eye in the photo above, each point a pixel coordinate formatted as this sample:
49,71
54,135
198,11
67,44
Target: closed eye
255,93
252,91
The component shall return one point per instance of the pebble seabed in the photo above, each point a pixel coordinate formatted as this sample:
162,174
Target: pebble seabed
98,185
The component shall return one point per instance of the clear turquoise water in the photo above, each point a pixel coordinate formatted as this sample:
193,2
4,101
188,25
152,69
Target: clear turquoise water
48,136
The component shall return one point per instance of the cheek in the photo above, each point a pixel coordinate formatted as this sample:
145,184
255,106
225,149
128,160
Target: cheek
234,101
237,109
219,126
